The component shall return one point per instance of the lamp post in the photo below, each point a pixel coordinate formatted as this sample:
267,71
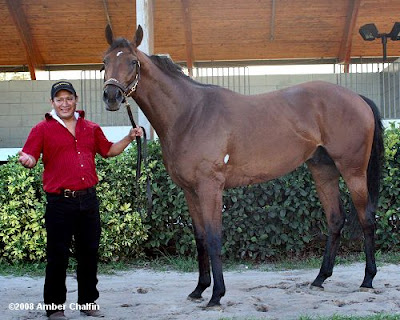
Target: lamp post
369,32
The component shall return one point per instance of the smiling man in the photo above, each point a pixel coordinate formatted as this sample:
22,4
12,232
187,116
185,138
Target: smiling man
68,144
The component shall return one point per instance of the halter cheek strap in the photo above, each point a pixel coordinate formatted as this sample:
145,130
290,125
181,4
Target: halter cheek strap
131,88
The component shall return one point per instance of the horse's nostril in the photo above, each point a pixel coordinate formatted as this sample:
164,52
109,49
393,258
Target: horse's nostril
109,94
118,95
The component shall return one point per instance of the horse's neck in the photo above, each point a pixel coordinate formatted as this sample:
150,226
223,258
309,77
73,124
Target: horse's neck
160,98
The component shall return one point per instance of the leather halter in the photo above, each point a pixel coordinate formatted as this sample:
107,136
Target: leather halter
131,88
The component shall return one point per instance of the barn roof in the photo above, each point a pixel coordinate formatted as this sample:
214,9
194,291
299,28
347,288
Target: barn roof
41,34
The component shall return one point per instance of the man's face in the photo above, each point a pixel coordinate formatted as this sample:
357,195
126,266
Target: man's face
64,103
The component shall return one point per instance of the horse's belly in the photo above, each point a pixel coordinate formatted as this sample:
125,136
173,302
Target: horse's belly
261,169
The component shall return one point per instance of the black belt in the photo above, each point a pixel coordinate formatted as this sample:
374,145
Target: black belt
68,193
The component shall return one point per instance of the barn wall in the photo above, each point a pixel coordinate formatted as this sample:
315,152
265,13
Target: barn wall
24,103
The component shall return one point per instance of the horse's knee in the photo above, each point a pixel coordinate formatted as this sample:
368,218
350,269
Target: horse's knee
367,221
336,227
336,218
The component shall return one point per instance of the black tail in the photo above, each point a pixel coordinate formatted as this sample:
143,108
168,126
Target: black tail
376,159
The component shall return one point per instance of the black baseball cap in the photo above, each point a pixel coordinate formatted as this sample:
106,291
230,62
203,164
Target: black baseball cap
62,85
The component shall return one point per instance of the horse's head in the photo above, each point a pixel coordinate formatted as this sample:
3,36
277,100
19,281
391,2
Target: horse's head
121,68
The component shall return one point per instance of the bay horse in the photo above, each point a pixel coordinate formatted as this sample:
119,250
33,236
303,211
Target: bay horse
212,139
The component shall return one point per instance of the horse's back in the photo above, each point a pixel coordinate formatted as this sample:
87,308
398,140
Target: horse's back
312,108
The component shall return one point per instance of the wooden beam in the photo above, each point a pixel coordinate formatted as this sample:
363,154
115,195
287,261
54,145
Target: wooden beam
34,59
187,25
272,22
345,45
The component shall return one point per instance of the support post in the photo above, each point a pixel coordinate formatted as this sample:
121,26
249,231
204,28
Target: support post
144,17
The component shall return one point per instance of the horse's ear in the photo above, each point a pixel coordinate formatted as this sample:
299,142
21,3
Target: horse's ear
137,40
109,35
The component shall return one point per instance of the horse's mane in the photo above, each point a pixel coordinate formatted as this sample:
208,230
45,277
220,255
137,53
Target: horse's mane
172,69
167,65
164,63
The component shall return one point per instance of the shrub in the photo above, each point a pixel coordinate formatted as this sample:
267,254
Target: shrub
279,218
388,216
22,234
123,233
169,224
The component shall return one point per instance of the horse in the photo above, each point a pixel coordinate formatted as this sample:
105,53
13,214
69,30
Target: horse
213,138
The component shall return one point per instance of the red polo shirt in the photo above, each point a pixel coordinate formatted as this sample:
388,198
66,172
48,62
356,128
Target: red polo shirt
68,160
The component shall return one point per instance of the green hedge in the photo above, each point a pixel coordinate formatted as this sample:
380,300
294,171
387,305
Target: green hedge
279,218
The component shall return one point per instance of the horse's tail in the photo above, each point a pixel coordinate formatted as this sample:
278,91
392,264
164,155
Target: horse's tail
375,164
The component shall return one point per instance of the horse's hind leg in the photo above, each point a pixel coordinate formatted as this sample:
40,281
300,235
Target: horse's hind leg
326,177
202,253
357,185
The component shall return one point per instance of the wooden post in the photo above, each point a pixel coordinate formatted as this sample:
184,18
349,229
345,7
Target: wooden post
144,17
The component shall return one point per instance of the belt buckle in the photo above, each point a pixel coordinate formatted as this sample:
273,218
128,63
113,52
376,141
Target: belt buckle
68,193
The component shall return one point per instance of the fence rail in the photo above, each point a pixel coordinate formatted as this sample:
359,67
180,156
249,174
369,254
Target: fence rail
379,82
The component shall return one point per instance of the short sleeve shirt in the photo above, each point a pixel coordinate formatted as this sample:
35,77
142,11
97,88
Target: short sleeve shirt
69,162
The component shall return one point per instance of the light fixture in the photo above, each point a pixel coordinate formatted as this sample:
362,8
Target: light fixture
369,32
395,33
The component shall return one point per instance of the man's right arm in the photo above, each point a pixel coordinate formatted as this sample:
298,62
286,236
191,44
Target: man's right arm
30,153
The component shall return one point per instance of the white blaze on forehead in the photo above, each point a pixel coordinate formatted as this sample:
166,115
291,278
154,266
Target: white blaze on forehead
226,159
119,53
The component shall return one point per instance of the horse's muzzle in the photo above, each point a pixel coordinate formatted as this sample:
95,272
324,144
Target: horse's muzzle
112,97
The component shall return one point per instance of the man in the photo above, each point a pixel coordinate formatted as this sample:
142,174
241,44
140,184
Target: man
68,144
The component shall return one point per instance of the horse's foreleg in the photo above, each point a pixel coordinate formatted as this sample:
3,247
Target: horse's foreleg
326,178
202,254
210,197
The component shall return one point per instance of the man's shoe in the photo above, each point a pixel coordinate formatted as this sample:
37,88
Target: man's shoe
93,313
59,315
91,310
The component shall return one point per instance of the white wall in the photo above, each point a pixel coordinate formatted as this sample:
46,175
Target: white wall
24,103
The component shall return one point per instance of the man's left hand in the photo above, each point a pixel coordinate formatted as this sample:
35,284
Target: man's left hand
135,132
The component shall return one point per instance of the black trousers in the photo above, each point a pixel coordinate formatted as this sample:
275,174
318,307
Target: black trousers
66,218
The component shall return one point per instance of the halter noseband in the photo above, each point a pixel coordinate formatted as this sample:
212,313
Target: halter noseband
131,88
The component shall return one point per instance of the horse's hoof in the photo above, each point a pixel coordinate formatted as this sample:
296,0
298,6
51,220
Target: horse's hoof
213,307
316,288
365,289
196,299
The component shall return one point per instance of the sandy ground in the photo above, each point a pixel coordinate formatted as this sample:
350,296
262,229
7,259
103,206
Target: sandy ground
144,294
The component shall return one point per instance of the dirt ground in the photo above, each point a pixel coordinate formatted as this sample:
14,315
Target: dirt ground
144,294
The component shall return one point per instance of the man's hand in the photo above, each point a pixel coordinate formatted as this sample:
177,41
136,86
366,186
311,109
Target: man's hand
26,160
119,146
135,132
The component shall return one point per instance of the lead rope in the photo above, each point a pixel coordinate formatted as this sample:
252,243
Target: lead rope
139,159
